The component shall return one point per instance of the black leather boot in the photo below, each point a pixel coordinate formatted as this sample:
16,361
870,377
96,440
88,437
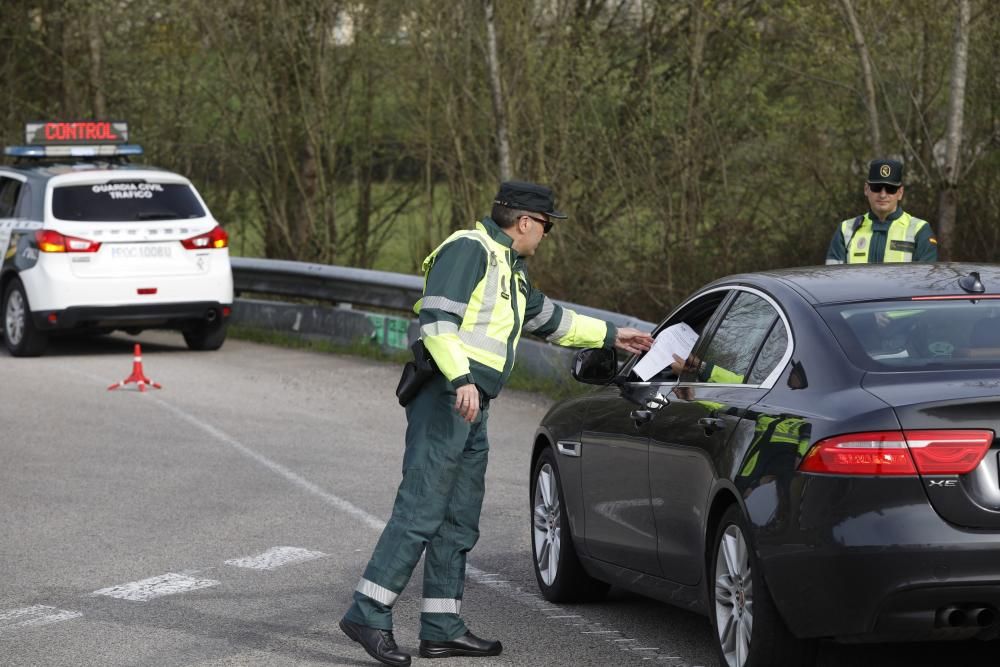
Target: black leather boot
467,644
378,643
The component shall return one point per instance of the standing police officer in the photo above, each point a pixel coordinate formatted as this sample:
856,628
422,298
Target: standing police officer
886,233
477,300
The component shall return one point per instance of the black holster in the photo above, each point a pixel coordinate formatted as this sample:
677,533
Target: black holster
416,373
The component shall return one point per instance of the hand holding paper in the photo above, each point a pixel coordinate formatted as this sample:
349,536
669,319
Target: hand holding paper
678,339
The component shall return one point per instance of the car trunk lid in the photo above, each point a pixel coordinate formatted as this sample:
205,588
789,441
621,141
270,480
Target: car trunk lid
968,399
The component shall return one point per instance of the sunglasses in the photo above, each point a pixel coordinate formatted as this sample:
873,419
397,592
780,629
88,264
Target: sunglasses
878,187
546,224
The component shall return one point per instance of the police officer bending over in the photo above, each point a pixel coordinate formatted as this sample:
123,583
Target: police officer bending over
886,233
477,301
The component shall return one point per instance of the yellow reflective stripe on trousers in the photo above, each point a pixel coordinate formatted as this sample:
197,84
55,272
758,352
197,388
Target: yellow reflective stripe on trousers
376,592
440,606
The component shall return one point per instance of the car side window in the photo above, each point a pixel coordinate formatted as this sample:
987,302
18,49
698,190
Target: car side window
728,355
9,189
696,315
770,354
23,206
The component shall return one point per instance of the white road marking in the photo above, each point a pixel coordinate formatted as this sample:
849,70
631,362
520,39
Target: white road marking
154,587
276,557
34,616
476,575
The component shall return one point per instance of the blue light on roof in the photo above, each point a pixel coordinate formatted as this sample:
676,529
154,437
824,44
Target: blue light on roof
98,150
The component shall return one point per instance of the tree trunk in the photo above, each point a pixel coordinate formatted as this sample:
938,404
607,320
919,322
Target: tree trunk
948,198
866,71
503,145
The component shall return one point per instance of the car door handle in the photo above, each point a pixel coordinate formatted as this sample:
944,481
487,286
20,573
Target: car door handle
712,424
640,417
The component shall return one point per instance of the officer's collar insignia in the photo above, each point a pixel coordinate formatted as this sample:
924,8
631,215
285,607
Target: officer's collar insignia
884,171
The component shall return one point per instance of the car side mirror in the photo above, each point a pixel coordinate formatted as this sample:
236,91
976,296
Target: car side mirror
595,366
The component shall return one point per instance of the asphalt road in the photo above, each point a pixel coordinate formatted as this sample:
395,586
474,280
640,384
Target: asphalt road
225,519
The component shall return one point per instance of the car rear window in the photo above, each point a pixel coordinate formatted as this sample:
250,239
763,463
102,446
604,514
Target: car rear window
918,335
121,201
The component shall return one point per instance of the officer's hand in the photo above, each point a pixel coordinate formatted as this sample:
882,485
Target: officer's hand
632,340
467,402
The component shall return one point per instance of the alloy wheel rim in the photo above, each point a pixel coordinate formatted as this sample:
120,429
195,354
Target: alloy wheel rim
733,596
545,525
14,326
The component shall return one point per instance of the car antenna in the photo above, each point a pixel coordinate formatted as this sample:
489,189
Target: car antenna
972,283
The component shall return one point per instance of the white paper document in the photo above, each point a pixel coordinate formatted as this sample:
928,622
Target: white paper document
677,339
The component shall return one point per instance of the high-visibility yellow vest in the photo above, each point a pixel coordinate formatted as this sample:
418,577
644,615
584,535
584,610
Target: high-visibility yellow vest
494,313
900,240
491,321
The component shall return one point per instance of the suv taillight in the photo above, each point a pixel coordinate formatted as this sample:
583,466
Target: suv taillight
51,241
937,452
217,238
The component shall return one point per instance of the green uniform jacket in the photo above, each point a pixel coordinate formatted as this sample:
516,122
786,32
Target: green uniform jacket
924,248
473,268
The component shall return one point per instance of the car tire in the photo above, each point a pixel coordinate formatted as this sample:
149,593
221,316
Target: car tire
560,576
206,335
749,631
20,335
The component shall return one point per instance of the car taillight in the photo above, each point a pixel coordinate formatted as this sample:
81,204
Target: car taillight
948,452
938,452
51,241
217,238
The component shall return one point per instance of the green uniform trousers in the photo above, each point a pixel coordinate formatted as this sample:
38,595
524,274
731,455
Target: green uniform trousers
436,513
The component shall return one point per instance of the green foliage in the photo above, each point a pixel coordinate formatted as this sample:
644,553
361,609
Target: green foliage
687,139
520,379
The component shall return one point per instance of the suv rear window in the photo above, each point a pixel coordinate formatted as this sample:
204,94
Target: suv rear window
121,201
918,335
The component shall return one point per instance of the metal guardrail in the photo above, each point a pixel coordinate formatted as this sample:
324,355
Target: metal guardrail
364,287
342,323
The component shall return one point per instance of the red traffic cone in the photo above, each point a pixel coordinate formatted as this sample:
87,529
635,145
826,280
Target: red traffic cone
137,376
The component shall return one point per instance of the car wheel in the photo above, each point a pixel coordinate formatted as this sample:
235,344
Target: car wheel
749,630
206,335
19,332
560,576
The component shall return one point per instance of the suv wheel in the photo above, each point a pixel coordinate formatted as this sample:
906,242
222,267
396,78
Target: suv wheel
19,332
749,630
206,335
560,576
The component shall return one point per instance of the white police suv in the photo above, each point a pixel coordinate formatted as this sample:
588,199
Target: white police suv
91,242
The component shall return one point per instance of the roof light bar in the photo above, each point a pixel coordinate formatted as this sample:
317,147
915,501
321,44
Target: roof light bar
114,150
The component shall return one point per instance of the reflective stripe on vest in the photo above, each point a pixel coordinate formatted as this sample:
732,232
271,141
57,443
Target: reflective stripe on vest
902,231
488,319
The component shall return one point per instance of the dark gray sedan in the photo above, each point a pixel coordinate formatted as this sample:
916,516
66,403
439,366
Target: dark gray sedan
824,465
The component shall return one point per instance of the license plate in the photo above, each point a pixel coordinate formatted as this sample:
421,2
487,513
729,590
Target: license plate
141,251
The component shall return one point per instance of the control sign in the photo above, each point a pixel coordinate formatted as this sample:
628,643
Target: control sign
76,133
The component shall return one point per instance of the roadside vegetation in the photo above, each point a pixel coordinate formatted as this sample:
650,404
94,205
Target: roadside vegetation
687,139
521,378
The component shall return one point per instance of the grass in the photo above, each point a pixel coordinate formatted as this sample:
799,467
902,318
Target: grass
400,249
521,379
